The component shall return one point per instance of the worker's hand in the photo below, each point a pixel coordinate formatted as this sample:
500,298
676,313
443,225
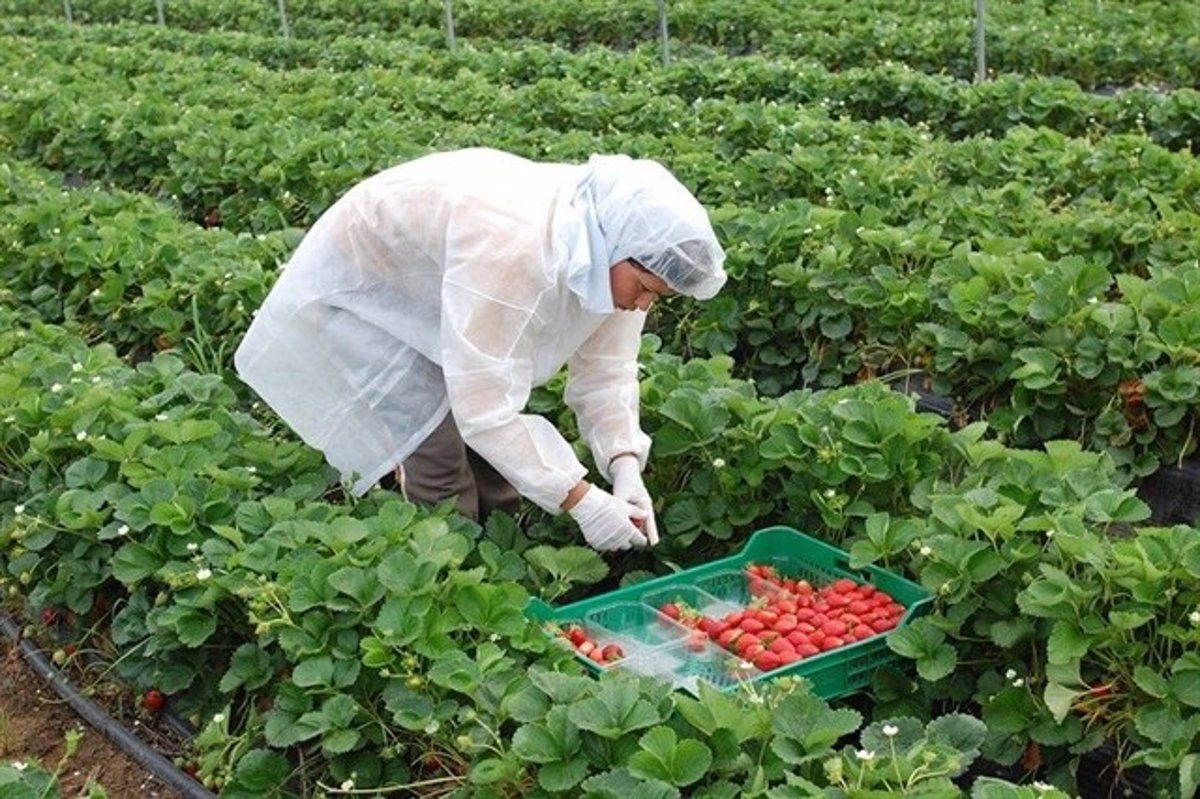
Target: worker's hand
627,485
607,523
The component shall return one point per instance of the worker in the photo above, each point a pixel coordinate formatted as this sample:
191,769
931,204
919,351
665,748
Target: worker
407,330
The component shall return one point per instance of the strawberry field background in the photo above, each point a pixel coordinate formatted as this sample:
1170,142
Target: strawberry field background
1026,245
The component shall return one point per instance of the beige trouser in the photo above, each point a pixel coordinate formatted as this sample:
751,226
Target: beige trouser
444,466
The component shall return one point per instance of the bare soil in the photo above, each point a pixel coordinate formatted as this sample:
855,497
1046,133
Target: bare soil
33,722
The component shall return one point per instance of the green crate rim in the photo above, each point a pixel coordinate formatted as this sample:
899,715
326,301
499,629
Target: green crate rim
917,600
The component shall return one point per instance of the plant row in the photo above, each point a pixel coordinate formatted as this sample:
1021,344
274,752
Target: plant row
1094,43
367,636
948,106
365,642
955,253
727,460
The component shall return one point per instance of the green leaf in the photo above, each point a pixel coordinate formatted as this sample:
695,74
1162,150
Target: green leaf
457,672
1151,682
1189,774
1067,643
250,666
314,672
359,584
664,758
1007,633
493,608
925,643
615,710
410,709
570,565
908,732
554,743
262,770
1059,699
338,742
620,784
134,563
713,711
191,626
806,728
562,689
960,731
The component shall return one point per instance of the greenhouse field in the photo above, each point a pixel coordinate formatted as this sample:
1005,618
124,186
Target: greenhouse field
1020,254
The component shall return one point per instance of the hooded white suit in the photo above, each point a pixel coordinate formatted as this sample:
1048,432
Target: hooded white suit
459,281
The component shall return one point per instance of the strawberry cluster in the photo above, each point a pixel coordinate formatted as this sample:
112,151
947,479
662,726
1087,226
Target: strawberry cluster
578,638
790,620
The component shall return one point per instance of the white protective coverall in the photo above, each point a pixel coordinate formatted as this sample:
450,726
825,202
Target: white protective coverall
458,281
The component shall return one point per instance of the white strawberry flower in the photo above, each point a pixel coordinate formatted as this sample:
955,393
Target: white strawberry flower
123,529
76,367
348,785
192,546
1011,674
926,551
718,463
203,574
81,435
19,765
1194,618
19,510
865,754
1017,683
160,417
890,730
57,387
219,718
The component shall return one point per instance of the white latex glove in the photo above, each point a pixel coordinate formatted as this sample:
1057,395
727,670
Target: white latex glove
607,523
627,485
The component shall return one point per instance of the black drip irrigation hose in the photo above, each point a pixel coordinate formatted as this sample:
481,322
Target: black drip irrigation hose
161,767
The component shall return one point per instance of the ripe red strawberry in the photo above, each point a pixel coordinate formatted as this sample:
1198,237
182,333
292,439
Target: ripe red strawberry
612,653
154,701
786,623
746,641
752,625
844,586
766,661
835,628
596,654
576,635
767,617
50,616
727,638
670,610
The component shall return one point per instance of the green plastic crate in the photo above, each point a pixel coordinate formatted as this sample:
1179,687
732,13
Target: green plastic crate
662,648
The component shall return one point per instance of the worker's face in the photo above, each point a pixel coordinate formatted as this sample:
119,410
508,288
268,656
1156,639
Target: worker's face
635,288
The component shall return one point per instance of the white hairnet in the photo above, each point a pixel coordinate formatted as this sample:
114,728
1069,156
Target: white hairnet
645,214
